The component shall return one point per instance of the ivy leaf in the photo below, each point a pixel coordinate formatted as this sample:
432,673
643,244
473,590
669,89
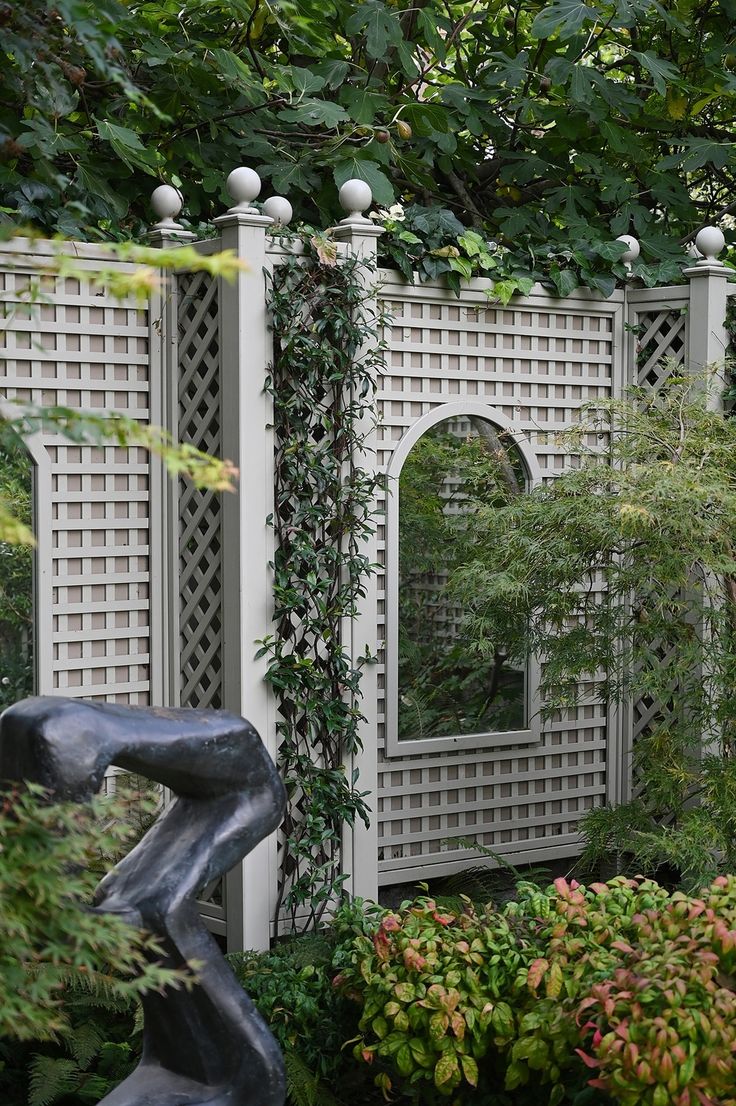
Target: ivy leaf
380,26
564,280
660,70
566,15
368,171
610,251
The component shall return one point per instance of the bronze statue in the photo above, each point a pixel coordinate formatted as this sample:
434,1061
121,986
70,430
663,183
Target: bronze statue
208,1045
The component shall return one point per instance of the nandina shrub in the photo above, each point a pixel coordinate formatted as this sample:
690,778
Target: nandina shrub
616,992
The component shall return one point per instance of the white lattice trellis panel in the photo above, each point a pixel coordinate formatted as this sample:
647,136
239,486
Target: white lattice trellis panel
658,334
536,363
79,347
200,512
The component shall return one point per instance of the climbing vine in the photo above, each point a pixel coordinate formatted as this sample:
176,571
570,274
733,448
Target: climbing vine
322,381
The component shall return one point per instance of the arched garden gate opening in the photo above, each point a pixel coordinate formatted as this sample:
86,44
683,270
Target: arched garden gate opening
157,593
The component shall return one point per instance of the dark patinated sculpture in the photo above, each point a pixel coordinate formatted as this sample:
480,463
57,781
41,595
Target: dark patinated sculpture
208,1045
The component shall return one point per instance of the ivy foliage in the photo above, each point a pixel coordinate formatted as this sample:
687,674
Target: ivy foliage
550,127
647,519
322,382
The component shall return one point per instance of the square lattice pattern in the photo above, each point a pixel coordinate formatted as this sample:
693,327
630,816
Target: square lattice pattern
536,364
80,348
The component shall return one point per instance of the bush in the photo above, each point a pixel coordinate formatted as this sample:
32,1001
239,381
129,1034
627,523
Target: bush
293,988
617,992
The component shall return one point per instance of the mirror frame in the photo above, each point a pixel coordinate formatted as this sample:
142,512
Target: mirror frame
42,523
395,747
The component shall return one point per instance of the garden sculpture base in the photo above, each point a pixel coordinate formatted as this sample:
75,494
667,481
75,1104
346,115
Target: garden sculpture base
207,1045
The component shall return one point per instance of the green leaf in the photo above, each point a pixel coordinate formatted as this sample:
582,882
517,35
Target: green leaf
404,1060
564,280
446,1070
470,1070
233,67
368,171
661,71
567,16
516,1076
363,104
380,26
333,72
315,113
128,146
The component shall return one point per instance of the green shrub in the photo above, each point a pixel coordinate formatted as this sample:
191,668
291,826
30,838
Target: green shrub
617,992
293,987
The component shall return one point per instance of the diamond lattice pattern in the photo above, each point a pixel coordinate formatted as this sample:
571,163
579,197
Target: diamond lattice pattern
200,512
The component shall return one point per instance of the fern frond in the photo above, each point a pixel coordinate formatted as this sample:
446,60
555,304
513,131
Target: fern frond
304,1088
83,1043
50,1078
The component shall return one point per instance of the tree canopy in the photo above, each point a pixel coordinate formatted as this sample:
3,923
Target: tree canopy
551,128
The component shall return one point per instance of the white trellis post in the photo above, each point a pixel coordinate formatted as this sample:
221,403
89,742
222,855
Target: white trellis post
166,202
247,586
360,844
707,336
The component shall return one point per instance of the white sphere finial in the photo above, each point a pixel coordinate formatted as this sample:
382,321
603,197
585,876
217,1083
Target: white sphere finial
710,241
279,209
355,196
633,249
166,202
243,184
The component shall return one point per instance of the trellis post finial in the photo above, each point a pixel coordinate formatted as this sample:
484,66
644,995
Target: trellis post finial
709,242
167,202
244,186
355,196
633,249
279,209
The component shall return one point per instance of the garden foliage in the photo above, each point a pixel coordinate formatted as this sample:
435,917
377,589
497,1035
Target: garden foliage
322,380
617,992
621,574
51,939
550,127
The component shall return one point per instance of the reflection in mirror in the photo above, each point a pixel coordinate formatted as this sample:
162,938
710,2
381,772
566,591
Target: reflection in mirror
457,467
17,678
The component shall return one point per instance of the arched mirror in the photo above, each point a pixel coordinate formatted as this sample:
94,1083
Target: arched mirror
17,592
439,693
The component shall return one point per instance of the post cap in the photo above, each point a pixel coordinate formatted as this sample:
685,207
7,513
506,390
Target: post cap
355,196
709,242
243,184
166,202
279,209
633,249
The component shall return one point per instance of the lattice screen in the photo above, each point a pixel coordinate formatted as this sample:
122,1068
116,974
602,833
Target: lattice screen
200,523
200,512
81,348
536,363
658,325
